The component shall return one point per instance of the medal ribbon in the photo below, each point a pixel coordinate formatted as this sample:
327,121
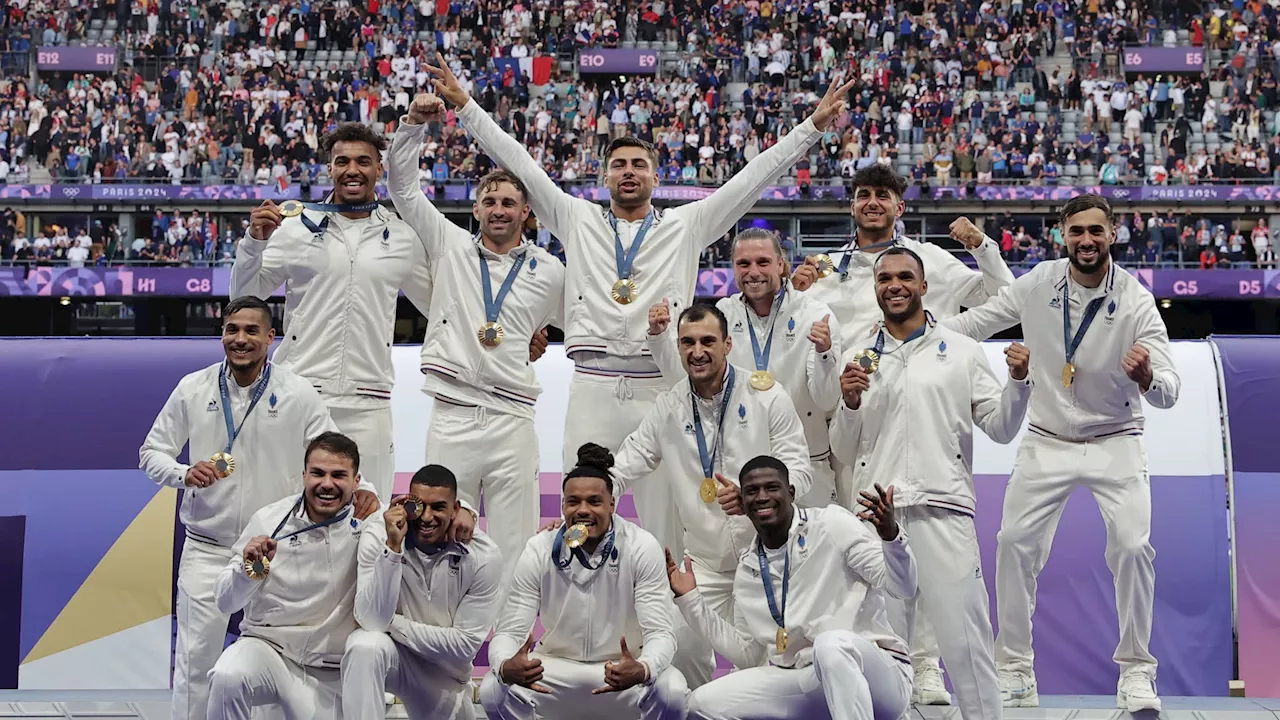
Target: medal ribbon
762,358
275,535
1069,343
779,616
843,268
578,552
341,207
492,305
915,335
626,260
232,431
709,458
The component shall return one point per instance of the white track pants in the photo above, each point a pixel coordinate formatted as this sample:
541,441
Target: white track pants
494,455
202,630
823,491
1046,471
570,698
695,658
605,410
851,678
251,674
953,595
373,664
371,429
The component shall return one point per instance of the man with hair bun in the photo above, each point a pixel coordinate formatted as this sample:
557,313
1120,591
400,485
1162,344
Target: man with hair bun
1101,349
599,587
494,294
343,263
783,336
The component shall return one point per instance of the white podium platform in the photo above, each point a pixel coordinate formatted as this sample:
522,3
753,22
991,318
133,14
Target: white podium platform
154,705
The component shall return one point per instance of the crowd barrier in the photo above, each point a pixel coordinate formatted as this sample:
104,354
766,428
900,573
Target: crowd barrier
87,542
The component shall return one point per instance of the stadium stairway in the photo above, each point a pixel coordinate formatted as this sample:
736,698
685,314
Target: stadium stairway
154,705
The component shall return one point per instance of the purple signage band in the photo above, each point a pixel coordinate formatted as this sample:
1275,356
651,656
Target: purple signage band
98,58
618,62
1163,60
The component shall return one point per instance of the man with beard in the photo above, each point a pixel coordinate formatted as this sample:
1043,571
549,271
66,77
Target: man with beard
705,430
294,575
423,611
594,583
768,323
624,261
810,635
1085,428
494,294
245,457
849,290
910,403
343,263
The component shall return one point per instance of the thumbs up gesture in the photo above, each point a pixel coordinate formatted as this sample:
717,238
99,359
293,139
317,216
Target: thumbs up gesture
520,669
820,334
659,317
625,673
729,496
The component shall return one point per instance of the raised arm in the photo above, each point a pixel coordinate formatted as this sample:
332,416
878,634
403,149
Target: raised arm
554,207
713,216
999,411
662,344
1154,338
235,589
975,288
158,457
822,368
260,265
999,313
471,622
378,575
886,565
437,233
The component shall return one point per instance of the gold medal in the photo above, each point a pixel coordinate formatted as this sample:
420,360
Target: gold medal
707,490
868,360
291,208
490,334
1068,374
762,380
575,536
257,569
780,640
826,265
412,508
624,291
223,464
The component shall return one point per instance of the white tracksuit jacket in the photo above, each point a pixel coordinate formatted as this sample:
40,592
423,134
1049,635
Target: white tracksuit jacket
304,607
952,285
439,606
758,423
666,264
840,572
811,378
457,366
586,613
1102,401
340,298
268,452
914,428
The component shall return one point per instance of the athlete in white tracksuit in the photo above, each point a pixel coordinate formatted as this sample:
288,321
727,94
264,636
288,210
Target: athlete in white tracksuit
482,421
704,430
423,610
215,510
650,255
827,576
598,603
783,332
298,617
909,424
850,293
342,277
1085,428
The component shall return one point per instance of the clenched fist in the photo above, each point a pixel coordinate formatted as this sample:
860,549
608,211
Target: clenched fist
1019,359
659,317
425,108
966,233
1137,365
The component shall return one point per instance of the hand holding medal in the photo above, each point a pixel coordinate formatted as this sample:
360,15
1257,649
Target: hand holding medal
258,555
201,475
809,271
264,220
853,382
396,519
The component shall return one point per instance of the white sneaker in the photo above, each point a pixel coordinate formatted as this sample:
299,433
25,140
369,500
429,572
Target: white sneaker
1018,689
390,698
928,688
1137,691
